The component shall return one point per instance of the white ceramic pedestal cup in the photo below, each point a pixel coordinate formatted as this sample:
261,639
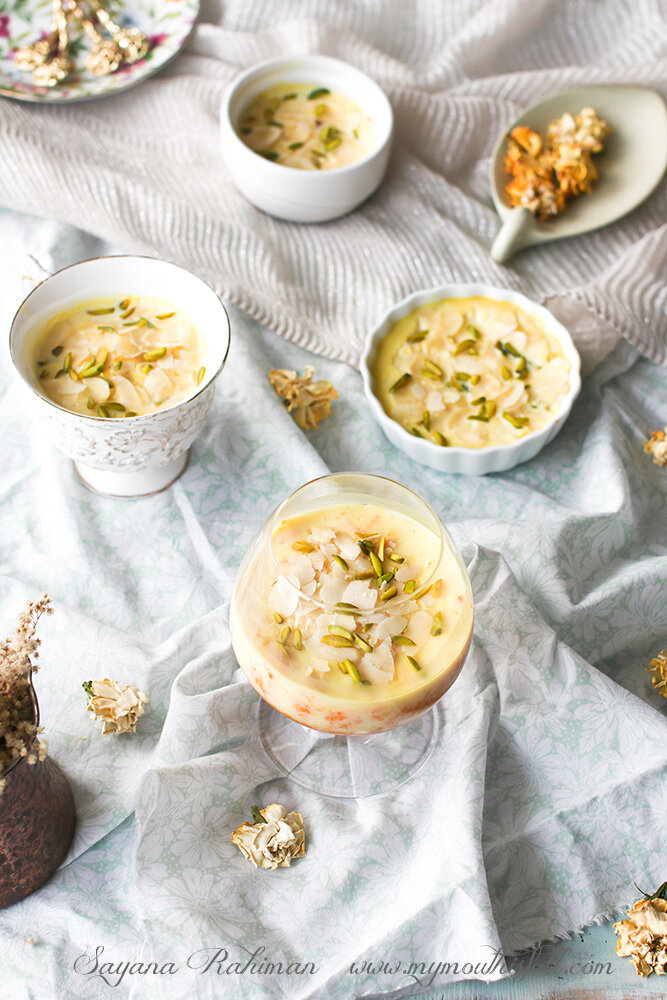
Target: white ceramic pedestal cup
305,195
123,456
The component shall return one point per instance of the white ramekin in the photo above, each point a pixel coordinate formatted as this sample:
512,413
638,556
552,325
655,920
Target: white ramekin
469,461
305,195
128,456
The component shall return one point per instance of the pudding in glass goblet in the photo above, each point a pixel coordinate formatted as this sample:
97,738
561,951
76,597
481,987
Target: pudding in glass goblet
352,612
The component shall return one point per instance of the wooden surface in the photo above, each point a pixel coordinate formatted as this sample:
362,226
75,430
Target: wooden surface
584,968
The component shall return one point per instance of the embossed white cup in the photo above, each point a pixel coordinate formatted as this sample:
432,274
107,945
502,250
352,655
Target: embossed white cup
128,456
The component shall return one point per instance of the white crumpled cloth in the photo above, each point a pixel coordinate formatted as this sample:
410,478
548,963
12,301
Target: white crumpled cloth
545,798
144,168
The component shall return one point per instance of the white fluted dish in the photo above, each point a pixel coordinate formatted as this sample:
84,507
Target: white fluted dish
305,195
128,456
469,461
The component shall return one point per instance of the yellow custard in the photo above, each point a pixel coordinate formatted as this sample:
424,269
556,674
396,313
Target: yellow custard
357,622
120,357
307,127
471,372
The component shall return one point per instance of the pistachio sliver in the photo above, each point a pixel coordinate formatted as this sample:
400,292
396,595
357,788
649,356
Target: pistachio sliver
124,304
353,671
278,618
57,350
318,92
343,606
118,407
402,640
67,363
340,630
337,641
416,337
518,422
156,354
400,382
376,563
200,375
101,312
436,627
413,663
165,315
468,346
298,643
409,586
340,562
362,644
389,593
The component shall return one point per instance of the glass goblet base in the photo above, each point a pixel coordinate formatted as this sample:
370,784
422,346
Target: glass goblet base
347,767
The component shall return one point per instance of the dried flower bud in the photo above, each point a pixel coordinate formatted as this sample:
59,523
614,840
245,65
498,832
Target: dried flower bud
309,401
119,708
643,937
656,447
273,840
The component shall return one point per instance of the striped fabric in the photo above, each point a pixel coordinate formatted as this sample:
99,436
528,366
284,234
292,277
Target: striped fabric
143,169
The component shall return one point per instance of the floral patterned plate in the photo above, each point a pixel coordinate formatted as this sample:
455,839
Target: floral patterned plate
166,23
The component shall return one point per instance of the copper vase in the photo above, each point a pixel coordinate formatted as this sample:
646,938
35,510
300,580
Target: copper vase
37,820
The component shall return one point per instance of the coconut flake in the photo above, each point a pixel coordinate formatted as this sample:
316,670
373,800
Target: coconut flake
378,666
332,590
359,593
284,596
392,625
347,547
434,402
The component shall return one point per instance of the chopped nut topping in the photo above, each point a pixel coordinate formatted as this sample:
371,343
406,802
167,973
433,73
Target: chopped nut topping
308,401
273,840
656,447
119,708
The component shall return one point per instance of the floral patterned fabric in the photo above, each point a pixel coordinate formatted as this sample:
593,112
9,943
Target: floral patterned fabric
545,797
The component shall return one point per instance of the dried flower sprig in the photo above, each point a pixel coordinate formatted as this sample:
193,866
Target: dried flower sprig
18,660
308,401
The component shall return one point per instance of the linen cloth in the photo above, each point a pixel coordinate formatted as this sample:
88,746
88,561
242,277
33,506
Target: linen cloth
144,168
546,796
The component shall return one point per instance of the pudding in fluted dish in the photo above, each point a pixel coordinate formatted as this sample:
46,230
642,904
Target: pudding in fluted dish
352,612
471,372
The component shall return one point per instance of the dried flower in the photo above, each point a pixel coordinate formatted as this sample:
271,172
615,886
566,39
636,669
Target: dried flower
658,668
18,660
309,401
656,447
273,839
545,173
119,708
643,938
